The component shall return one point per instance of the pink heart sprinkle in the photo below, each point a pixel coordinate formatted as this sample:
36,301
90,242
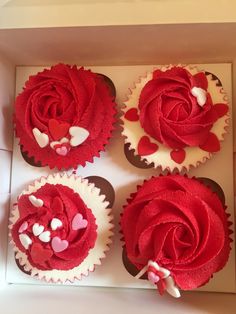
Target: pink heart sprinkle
59,245
153,277
78,222
62,151
23,227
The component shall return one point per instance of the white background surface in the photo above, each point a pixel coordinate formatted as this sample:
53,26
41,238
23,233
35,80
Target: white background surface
124,178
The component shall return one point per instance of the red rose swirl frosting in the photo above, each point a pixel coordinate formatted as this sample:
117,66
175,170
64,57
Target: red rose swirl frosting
55,228
176,109
176,230
175,117
64,116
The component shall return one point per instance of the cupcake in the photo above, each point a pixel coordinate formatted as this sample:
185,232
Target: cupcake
175,117
64,116
180,233
60,228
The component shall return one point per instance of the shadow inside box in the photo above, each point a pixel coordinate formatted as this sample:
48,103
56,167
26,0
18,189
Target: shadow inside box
209,302
7,118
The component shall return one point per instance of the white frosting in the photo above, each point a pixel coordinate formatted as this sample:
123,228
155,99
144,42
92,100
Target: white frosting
95,201
133,131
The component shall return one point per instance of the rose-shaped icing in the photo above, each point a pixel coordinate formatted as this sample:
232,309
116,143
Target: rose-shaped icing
64,116
59,226
181,225
177,110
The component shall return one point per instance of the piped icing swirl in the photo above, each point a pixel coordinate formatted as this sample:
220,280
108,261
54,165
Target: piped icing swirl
177,110
64,116
55,228
179,224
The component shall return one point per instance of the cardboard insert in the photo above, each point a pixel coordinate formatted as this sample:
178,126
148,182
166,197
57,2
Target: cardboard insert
114,167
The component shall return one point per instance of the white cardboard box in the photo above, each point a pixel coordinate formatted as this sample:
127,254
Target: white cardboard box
124,177
170,32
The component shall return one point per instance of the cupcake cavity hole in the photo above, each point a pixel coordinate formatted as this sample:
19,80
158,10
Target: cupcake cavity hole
105,187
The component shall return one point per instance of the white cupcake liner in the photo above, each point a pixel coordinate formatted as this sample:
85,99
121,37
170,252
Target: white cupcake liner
133,132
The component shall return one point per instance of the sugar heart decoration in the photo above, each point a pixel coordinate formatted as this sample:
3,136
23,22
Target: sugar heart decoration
37,202
39,254
212,144
23,227
56,223
45,236
132,114
62,141
62,151
178,155
152,277
57,205
171,287
78,135
41,138
146,147
221,109
25,240
200,94
58,129
37,229
79,222
201,80
59,245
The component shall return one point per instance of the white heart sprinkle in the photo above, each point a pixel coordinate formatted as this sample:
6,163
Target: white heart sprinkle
37,229
56,223
25,240
78,135
200,94
37,202
41,138
171,287
63,140
45,236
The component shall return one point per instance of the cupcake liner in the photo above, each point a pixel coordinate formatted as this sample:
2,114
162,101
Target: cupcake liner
161,158
135,271
98,205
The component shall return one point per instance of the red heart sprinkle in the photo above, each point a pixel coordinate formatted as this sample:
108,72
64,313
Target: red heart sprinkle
178,155
132,114
145,147
58,130
39,254
221,109
212,144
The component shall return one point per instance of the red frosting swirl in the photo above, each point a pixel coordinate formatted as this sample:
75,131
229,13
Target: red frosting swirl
63,203
55,100
179,223
172,115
